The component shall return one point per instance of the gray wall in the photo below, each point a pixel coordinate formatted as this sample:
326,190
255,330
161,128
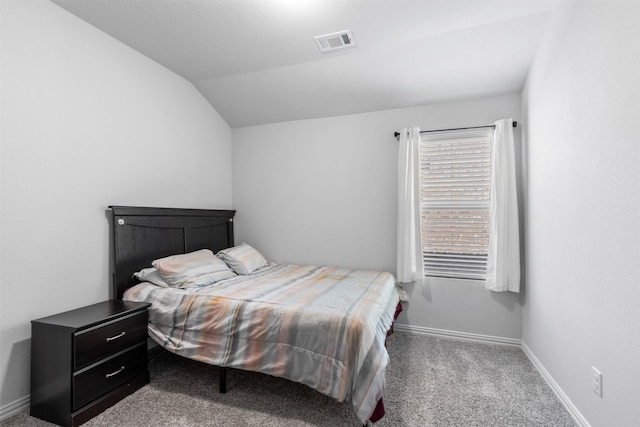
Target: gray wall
324,191
86,122
581,110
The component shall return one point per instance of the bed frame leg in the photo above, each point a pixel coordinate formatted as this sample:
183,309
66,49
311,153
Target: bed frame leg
223,379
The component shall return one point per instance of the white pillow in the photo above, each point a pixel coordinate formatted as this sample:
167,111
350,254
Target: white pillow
151,275
197,268
243,259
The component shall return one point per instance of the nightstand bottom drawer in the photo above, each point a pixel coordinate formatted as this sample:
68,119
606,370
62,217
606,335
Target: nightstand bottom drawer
97,380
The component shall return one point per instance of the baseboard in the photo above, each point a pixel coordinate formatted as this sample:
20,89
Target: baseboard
564,399
421,330
14,408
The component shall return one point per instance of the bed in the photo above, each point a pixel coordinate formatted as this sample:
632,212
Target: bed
320,326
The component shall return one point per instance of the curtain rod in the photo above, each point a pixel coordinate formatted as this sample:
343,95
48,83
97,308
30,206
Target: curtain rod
397,134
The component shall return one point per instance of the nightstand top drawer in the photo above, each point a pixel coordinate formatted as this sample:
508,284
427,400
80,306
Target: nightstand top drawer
92,315
93,344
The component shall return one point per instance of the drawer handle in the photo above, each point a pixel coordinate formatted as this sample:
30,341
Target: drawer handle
120,335
112,374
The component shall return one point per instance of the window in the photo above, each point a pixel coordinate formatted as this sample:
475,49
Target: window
455,188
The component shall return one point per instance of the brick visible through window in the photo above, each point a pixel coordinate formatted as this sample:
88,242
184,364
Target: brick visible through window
455,192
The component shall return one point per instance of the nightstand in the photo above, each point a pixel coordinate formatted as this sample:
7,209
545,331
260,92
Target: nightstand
84,361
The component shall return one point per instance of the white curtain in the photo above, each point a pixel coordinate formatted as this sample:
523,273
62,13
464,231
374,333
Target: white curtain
410,267
503,262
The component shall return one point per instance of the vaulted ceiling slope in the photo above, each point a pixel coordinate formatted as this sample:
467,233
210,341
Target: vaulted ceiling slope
256,61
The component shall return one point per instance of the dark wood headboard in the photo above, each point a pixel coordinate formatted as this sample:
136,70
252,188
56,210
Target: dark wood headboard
141,235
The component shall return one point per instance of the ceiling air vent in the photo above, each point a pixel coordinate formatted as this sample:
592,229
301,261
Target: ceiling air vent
335,41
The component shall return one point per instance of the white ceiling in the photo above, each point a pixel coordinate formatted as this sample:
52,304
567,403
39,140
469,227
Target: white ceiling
256,61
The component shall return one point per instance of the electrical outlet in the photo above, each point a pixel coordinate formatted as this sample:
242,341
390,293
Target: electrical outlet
596,377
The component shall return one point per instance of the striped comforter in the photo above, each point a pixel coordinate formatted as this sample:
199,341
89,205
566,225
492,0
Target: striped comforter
321,326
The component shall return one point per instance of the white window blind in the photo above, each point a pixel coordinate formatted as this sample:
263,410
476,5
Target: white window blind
454,201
